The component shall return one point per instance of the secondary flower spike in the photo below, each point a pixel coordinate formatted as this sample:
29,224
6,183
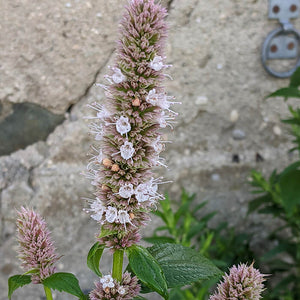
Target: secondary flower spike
243,283
36,249
108,288
127,127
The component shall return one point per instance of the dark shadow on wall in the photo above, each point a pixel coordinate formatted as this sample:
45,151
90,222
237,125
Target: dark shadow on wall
26,123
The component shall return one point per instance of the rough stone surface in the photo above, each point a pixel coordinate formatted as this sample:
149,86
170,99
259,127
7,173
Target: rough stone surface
26,124
51,54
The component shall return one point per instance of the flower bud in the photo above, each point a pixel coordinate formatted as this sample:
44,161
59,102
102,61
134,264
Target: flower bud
107,162
115,168
136,102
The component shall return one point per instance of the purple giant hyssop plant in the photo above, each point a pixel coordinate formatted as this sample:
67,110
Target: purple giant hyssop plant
127,127
128,141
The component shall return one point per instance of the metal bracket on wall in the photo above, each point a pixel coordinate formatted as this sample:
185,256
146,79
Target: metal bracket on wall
283,42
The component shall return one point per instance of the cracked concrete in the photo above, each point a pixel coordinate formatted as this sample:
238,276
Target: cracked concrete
53,53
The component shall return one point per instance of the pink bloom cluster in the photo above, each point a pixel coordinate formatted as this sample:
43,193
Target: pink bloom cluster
36,249
108,288
243,283
127,125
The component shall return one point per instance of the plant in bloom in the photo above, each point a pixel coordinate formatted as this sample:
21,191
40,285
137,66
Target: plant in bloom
243,283
127,126
108,288
36,249
127,129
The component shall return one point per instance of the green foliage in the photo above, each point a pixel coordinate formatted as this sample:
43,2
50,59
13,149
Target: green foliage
64,282
17,281
182,265
279,196
147,269
188,226
93,258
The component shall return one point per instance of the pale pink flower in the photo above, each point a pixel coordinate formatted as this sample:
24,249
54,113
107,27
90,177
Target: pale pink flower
36,249
243,283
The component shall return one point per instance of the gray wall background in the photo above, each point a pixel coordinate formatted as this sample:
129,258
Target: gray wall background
52,53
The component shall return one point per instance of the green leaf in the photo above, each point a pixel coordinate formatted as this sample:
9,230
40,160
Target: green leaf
146,268
295,79
106,232
257,202
93,258
139,298
288,92
64,282
17,281
290,168
290,191
159,240
182,265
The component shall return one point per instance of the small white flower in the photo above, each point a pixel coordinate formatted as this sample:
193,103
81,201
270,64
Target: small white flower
153,98
127,150
161,100
102,111
164,120
107,282
157,145
123,217
111,214
142,192
95,158
157,63
121,290
98,130
118,77
122,125
97,208
126,191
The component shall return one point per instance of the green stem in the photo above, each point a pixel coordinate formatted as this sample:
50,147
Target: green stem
118,265
48,293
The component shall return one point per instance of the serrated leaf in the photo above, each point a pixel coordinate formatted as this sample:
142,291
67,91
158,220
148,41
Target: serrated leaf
159,240
17,281
288,92
93,258
64,282
146,268
182,265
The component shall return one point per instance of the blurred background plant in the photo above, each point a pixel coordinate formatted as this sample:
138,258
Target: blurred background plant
188,225
279,196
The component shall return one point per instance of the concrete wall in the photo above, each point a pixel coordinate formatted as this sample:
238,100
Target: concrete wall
52,53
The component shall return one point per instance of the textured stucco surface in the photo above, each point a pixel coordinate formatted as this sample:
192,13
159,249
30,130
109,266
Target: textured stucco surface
52,52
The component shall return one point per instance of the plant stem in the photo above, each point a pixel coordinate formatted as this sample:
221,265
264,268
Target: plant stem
48,293
118,265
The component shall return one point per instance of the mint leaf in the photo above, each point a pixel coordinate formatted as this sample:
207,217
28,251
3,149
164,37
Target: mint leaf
17,281
93,258
146,268
64,282
182,265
